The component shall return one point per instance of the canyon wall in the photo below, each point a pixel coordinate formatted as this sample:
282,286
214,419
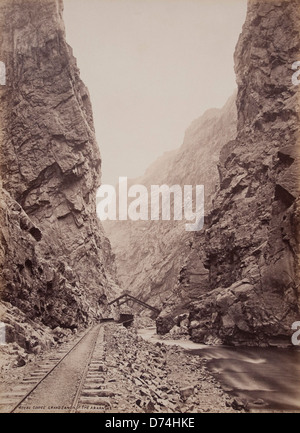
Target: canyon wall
56,263
250,244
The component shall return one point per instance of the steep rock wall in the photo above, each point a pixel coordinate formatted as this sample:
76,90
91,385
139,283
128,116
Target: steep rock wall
56,263
250,246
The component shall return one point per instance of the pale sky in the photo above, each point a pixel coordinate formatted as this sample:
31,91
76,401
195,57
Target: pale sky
152,67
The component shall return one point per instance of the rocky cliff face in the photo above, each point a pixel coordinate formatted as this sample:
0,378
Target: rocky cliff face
149,254
56,263
250,247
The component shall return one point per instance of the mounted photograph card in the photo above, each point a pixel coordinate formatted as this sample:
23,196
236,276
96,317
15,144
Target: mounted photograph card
149,209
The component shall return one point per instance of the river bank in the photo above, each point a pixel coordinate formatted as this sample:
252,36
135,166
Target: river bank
261,379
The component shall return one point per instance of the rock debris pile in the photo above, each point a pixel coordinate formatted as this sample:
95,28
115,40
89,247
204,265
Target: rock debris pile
147,377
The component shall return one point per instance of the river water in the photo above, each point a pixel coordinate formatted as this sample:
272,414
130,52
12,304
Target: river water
267,379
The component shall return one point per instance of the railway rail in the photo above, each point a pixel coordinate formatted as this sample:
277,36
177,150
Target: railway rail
88,385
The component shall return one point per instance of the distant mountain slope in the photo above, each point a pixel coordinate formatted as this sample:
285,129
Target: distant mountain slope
149,254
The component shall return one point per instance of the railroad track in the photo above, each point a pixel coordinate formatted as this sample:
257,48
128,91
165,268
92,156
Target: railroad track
91,393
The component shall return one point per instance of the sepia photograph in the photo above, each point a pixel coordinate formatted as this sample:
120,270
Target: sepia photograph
149,209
